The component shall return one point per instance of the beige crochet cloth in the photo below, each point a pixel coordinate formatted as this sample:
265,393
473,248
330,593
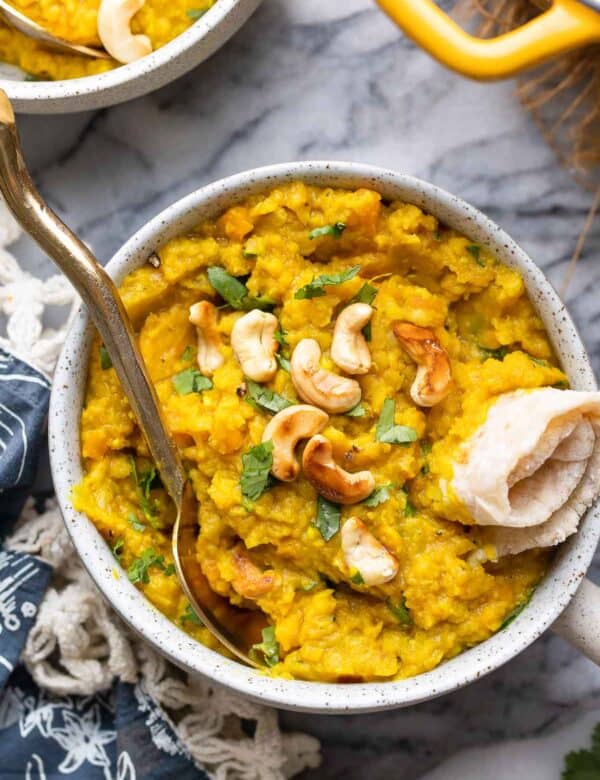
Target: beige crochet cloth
78,645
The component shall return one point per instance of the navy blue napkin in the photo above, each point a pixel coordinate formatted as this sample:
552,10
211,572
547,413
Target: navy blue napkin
118,735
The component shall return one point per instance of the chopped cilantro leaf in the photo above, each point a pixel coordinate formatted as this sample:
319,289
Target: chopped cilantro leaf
475,251
357,578
328,518
195,13
188,353
280,335
514,613
268,648
117,547
190,616
335,231
191,381
143,484
584,764
256,474
400,612
139,568
379,495
234,292
284,363
388,432
356,411
315,289
105,361
409,509
135,523
496,354
366,294
538,361
266,398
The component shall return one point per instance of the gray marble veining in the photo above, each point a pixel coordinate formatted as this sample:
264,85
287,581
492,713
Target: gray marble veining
326,79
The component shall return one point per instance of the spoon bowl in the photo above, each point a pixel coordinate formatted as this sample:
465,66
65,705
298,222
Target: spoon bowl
33,30
237,629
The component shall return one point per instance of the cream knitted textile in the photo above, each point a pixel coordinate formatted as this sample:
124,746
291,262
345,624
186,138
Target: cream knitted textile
77,644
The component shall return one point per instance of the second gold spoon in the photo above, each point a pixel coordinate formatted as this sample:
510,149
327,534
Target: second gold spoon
237,629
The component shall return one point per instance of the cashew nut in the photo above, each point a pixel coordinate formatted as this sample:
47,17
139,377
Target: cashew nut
204,316
329,479
349,348
253,342
363,552
285,430
250,581
114,31
434,375
315,385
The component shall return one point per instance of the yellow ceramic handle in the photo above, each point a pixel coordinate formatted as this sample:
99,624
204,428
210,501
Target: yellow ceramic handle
566,25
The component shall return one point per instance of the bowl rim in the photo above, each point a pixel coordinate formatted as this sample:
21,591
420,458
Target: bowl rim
550,597
87,92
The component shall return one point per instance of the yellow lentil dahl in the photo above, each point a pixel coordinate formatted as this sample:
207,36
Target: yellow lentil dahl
449,593
75,21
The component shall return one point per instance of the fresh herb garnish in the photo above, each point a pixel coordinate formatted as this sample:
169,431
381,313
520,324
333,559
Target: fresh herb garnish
195,13
256,474
514,613
280,335
562,384
191,381
105,361
388,432
400,612
135,523
284,363
496,354
328,518
356,411
234,292
357,578
379,496
117,547
335,231
190,616
260,396
315,289
366,294
268,648
538,361
367,331
138,570
248,254
425,469
143,484
409,509
188,353
475,251
584,764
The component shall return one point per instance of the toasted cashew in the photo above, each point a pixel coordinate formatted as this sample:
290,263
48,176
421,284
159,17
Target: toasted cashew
434,375
204,316
363,552
250,581
285,430
329,479
114,31
253,342
336,394
349,348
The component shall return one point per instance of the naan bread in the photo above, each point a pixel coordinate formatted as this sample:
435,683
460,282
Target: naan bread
533,467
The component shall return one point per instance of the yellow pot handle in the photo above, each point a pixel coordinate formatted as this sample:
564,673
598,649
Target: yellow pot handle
566,25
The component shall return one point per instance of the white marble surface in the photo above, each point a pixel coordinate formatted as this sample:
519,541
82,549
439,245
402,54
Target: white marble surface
330,79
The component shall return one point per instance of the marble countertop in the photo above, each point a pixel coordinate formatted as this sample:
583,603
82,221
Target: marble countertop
324,79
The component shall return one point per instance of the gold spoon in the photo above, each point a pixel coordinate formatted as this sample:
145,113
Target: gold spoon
237,629
33,30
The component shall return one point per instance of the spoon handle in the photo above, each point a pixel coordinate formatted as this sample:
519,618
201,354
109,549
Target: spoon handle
98,292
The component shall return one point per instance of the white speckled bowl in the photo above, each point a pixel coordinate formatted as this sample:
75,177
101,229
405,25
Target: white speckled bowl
554,594
126,82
